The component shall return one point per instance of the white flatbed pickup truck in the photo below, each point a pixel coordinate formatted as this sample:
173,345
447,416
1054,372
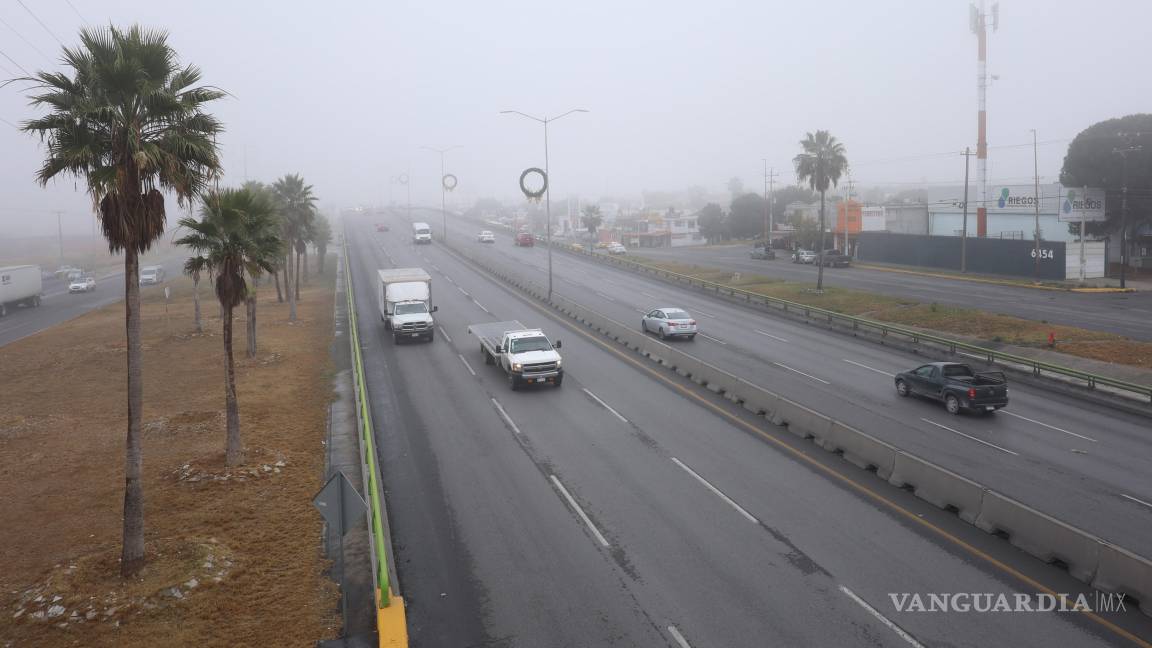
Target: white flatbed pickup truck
524,354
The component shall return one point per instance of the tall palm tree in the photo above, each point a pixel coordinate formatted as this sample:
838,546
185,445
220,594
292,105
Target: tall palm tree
236,237
591,220
129,120
264,192
297,205
194,267
822,161
321,237
267,190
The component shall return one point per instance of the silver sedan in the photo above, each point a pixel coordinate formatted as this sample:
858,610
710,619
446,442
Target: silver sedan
669,322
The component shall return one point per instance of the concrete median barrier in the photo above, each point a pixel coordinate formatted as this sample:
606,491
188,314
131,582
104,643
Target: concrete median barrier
1120,570
761,401
802,421
1041,535
862,449
938,486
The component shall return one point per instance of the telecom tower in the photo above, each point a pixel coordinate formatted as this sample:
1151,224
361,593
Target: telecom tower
978,22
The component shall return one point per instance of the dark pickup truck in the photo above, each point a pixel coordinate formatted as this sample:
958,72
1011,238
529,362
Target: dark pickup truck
836,259
956,385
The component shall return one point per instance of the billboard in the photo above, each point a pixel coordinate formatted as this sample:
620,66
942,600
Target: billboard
1081,204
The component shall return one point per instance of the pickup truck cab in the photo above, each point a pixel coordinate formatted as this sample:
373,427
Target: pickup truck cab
955,385
836,259
525,239
524,354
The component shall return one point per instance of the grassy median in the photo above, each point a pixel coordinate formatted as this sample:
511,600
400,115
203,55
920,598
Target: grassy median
233,554
977,325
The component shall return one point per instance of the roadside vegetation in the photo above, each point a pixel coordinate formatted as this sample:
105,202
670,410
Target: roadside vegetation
967,323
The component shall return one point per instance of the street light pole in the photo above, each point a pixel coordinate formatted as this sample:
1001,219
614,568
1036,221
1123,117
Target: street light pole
964,225
443,189
1036,204
1124,213
548,181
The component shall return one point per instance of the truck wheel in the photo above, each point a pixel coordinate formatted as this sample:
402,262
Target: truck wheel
559,379
395,338
513,383
3,310
952,404
902,388
387,324
488,359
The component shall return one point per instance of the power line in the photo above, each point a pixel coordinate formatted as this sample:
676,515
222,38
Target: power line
74,10
21,36
15,63
37,19
9,123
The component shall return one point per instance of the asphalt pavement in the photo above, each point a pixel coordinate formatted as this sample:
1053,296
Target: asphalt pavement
58,305
1127,314
1083,463
633,508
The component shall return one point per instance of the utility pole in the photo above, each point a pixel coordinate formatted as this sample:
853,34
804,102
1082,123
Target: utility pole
978,23
964,231
769,187
1124,213
443,187
1036,204
851,186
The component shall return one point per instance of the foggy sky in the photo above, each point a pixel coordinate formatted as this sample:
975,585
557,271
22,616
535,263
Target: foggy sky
680,93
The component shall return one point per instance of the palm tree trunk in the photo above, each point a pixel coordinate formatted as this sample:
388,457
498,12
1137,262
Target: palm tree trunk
251,303
820,253
322,252
132,551
196,303
296,279
234,453
305,267
279,295
288,289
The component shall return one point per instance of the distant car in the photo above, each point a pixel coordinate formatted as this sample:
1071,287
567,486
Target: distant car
63,271
617,248
600,245
577,247
381,227
82,284
762,253
803,256
836,259
486,237
669,322
525,239
150,275
956,385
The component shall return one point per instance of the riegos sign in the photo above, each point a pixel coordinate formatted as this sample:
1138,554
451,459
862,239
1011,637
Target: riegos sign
1081,204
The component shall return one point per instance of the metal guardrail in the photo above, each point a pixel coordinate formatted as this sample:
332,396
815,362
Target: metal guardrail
376,526
992,356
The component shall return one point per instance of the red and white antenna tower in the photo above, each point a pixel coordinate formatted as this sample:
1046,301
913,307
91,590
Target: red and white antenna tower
978,22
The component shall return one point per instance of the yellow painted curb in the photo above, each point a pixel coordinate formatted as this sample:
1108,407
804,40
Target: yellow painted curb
997,282
392,624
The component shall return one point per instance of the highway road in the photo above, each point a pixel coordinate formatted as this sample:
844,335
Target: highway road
633,508
1085,464
58,305
1126,314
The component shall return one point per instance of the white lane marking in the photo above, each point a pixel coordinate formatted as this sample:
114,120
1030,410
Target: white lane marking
463,291
864,366
450,280
969,436
703,313
709,337
481,306
579,511
650,295
470,370
504,415
680,640
1140,501
605,405
608,297
717,491
445,334
774,337
881,618
1052,427
783,366
436,268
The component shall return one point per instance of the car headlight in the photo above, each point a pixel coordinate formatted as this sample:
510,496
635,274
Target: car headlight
559,362
516,366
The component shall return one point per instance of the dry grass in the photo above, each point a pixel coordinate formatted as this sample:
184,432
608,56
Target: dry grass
234,555
967,322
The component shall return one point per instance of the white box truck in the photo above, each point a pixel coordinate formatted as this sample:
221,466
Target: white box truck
19,286
421,233
405,297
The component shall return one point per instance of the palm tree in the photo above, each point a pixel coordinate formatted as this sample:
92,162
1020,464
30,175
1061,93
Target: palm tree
130,122
236,237
822,161
296,204
254,185
321,237
193,267
265,194
591,220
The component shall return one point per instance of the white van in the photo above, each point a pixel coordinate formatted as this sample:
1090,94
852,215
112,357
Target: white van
151,275
421,233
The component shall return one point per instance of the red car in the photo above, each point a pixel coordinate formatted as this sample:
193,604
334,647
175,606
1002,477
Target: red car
525,239
381,227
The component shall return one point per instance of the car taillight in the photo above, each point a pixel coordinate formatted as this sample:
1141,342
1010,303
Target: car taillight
691,322
971,392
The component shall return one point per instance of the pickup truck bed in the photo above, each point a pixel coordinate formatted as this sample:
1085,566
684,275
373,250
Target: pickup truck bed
489,333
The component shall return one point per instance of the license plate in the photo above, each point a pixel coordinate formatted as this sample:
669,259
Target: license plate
414,334
989,408
541,379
